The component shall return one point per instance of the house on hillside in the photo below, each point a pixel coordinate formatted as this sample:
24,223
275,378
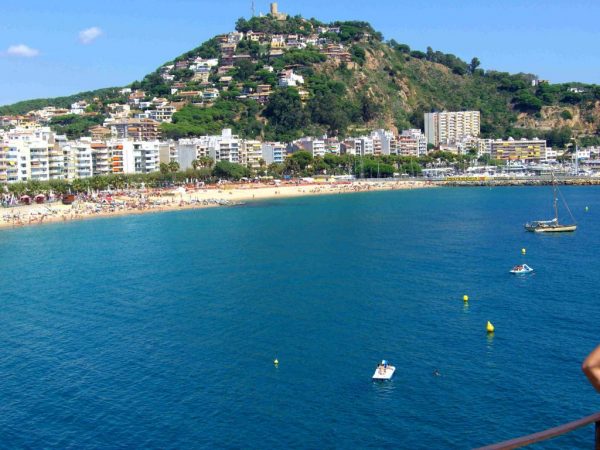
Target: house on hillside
337,52
278,41
288,78
136,96
244,57
222,70
275,53
189,94
295,41
78,107
210,94
235,37
180,65
256,36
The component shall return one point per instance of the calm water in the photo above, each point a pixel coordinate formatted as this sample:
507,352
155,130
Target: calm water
159,331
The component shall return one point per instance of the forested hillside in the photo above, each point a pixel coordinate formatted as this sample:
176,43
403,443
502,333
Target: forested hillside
352,80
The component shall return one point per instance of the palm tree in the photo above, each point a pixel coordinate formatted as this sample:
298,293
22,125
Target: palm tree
206,162
262,163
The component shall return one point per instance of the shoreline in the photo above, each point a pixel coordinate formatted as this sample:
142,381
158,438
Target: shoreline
137,202
144,202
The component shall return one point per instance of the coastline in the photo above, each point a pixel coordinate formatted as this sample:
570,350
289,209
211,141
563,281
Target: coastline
143,202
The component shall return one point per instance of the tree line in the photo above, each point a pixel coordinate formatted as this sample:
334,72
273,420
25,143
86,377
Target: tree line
299,164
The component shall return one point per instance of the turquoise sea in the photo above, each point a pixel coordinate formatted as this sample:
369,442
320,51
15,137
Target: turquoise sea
160,331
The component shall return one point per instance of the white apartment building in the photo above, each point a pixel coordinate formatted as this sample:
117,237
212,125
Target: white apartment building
225,147
551,155
100,159
39,165
56,158
412,142
363,146
146,156
332,145
191,149
25,153
251,153
484,147
16,162
315,146
37,154
274,152
121,156
125,156
78,159
450,127
3,159
167,153
384,142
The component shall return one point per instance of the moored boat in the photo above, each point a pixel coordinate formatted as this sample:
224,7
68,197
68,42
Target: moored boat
553,225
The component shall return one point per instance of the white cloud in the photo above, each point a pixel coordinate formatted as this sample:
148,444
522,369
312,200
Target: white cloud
22,51
89,35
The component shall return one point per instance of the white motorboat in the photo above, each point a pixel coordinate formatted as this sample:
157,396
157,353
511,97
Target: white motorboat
520,269
384,371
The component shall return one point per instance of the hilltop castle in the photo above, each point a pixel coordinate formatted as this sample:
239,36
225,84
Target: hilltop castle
277,15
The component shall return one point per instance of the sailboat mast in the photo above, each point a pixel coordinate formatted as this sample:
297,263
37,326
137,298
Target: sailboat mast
555,198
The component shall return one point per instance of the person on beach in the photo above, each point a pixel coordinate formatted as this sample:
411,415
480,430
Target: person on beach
591,368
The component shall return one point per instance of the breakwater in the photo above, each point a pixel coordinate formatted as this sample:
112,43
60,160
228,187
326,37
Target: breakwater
529,181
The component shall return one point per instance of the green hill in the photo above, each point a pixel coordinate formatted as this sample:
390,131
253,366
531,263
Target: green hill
380,84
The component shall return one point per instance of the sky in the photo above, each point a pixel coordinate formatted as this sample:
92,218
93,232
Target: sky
52,48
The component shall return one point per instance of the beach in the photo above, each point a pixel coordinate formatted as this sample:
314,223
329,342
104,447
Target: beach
190,197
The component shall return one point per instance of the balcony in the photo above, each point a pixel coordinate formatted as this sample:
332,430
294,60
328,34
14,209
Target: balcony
551,433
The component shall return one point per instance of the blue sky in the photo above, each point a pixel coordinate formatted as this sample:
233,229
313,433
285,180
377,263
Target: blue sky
42,53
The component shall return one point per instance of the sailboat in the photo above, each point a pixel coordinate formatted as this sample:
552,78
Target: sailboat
553,225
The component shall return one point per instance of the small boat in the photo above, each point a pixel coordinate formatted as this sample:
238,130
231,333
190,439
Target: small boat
384,371
520,269
553,225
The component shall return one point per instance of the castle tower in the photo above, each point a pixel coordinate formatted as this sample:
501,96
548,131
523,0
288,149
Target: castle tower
274,9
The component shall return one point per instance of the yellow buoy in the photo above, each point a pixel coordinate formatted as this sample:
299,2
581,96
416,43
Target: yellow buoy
276,361
465,298
523,250
490,327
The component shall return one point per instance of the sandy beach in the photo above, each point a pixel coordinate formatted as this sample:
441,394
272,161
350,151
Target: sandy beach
154,200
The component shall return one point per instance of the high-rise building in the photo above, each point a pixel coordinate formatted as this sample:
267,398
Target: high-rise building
450,127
